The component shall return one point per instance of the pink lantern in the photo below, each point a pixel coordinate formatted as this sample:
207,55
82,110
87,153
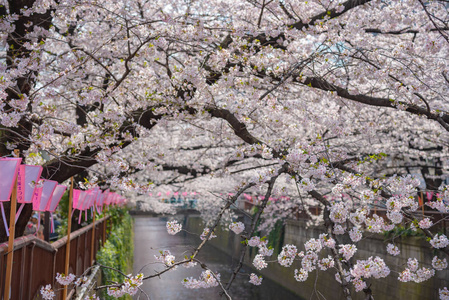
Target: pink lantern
76,196
88,200
46,192
28,177
176,194
27,180
168,193
56,197
159,194
104,197
184,194
81,198
9,168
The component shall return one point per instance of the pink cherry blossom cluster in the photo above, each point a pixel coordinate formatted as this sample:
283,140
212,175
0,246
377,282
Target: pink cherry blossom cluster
425,223
327,241
259,262
393,250
65,279
301,275
439,241
47,292
347,251
130,286
256,241
166,258
359,284
173,227
287,255
190,264
237,227
439,264
326,263
372,267
412,273
254,279
355,234
205,233
444,293
206,280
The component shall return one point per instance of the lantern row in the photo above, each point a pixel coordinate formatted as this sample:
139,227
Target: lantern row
44,194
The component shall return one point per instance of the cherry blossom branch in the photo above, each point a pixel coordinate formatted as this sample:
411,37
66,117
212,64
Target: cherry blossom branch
204,266
271,183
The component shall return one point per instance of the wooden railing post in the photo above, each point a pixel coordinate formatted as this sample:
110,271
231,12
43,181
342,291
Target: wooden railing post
69,229
92,246
12,231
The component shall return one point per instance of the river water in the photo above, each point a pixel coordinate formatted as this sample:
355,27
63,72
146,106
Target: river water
151,236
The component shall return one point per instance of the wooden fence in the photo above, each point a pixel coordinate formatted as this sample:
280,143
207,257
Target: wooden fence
36,262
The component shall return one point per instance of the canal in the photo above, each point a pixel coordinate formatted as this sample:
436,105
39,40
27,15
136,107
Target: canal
151,236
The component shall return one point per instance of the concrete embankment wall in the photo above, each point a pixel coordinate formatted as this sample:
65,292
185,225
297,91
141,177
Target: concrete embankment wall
323,283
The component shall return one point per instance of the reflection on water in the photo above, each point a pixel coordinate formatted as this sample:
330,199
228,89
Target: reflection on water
151,236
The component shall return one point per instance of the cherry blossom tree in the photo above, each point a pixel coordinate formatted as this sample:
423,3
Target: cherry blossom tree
337,104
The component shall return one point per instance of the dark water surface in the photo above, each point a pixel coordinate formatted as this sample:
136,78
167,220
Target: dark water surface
151,236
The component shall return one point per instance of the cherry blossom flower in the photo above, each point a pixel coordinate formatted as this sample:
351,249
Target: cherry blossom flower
205,233
116,292
439,264
439,241
425,223
326,263
65,279
412,264
256,241
338,229
287,255
237,227
313,245
406,276
47,292
355,234
259,262
173,227
347,251
131,284
190,264
444,293
206,280
393,250
372,267
263,250
301,275
327,241
254,279
166,258
359,284
82,281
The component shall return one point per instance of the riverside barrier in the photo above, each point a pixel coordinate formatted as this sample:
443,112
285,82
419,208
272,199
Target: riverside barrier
36,262
297,233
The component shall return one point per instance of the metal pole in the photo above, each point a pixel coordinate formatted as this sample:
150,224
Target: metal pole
69,228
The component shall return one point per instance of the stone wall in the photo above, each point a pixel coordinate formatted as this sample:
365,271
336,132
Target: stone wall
324,283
